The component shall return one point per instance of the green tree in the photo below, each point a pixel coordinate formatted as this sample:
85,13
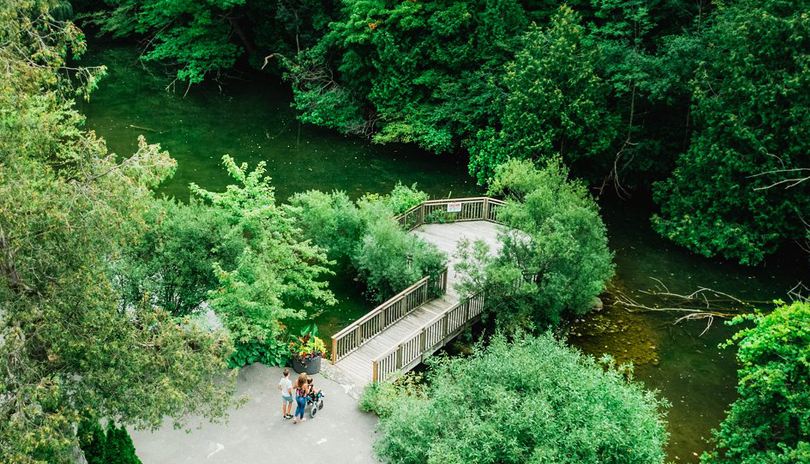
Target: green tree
556,103
173,263
554,258
533,400
768,423
92,441
70,349
727,196
330,220
196,37
408,71
277,276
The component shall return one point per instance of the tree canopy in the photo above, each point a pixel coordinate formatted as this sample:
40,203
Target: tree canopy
533,400
554,258
769,423
69,348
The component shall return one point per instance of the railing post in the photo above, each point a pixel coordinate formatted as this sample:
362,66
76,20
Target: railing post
398,363
334,351
486,209
374,375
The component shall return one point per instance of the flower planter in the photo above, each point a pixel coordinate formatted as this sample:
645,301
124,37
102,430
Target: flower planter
311,367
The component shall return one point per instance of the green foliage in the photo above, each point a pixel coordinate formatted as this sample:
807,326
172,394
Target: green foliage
330,220
556,102
381,398
413,71
111,447
71,350
554,259
768,423
270,352
307,347
389,259
402,198
92,441
118,447
750,103
534,400
193,36
276,276
385,256
173,264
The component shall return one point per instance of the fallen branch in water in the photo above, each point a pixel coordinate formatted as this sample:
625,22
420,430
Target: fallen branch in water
703,303
133,126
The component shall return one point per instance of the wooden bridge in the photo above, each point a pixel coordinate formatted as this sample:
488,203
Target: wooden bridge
400,333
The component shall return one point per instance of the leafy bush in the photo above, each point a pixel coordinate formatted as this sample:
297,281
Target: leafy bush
276,277
534,400
555,259
403,198
381,397
769,424
386,257
390,259
271,352
330,220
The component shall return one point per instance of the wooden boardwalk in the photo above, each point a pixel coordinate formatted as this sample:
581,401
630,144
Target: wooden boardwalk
400,333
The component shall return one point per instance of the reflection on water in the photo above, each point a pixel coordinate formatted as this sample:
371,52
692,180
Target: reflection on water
252,122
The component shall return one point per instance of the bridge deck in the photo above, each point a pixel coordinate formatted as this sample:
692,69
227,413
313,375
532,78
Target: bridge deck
359,364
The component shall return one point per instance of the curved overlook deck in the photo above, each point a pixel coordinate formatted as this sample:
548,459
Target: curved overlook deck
400,333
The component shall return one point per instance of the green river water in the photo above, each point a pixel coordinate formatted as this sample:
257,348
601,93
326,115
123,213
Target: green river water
251,120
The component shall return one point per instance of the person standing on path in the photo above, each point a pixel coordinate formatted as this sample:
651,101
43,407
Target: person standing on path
285,385
301,391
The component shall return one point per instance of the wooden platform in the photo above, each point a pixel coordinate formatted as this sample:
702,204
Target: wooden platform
359,364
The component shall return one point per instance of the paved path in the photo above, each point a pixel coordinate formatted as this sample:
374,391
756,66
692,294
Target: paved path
256,433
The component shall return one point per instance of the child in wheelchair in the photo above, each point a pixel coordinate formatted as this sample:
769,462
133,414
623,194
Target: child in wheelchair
314,397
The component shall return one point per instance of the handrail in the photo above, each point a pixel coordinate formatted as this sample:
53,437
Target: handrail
376,310
469,209
428,338
383,316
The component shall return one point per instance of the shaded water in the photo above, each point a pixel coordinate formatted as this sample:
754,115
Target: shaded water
252,121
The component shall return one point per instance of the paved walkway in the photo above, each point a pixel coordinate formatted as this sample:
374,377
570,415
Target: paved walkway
256,433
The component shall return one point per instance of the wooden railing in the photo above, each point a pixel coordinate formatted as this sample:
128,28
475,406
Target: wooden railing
422,343
451,210
386,314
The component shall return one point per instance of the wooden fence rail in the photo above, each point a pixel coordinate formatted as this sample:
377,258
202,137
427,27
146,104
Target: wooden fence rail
451,210
414,348
386,314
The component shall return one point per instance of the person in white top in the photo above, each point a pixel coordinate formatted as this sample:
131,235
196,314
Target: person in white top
285,385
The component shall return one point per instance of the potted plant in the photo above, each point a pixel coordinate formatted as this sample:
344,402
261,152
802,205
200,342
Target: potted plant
307,351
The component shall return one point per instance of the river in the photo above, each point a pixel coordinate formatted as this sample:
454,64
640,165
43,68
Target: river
252,121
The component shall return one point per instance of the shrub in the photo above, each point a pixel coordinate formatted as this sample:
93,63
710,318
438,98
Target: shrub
271,352
389,259
768,423
403,198
535,400
330,220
